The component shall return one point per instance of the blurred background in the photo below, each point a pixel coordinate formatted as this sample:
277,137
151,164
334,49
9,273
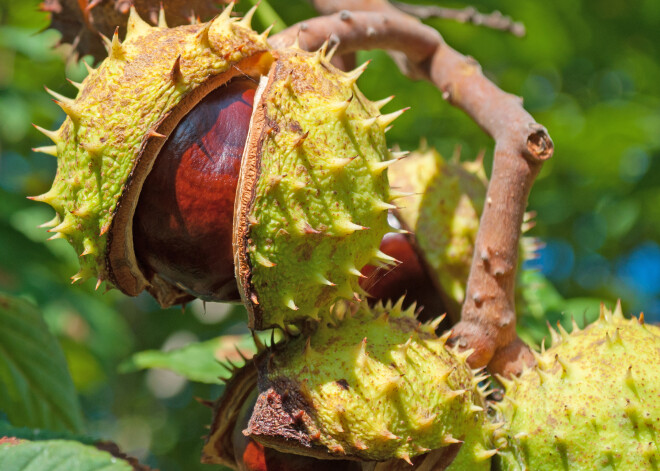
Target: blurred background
589,70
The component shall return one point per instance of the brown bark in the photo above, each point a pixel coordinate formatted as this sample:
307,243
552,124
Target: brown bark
494,20
521,145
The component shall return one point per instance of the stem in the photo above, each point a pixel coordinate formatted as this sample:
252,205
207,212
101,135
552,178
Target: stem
494,20
521,145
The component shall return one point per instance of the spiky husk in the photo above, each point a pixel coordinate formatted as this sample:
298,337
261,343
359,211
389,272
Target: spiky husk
443,212
593,402
314,200
377,386
219,446
81,21
117,124
445,199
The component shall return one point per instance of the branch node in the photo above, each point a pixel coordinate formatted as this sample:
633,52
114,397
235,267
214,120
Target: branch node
446,94
345,15
539,144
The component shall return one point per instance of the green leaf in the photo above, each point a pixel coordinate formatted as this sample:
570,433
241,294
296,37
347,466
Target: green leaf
58,455
37,434
198,361
35,386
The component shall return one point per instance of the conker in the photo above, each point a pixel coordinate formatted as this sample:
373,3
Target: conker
150,194
410,277
183,223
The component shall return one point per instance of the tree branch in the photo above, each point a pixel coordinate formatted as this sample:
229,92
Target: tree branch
494,20
521,145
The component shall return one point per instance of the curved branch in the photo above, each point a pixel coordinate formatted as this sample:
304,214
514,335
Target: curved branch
494,20
521,145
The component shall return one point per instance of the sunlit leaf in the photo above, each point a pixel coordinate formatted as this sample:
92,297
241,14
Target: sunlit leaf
198,361
58,455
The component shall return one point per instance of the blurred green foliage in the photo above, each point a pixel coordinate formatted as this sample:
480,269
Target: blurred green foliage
589,70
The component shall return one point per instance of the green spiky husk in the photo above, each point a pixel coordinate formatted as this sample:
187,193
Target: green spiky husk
443,213
377,386
108,124
320,201
592,403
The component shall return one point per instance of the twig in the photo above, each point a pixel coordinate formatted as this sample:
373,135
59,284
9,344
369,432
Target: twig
521,145
495,20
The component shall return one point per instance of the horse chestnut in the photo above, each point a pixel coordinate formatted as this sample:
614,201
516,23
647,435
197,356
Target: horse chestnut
149,189
183,224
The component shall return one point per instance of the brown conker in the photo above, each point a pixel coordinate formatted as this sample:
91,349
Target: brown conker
183,223
409,277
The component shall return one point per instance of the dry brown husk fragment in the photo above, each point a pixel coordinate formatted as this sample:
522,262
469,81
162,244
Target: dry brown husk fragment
82,21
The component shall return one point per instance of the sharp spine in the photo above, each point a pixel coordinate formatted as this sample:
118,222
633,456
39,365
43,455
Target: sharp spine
382,256
51,197
381,205
354,271
485,454
257,342
226,13
246,21
562,331
136,26
175,74
78,85
323,280
425,422
340,163
435,323
368,122
154,133
398,155
290,304
114,47
266,32
388,435
320,52
353,75
50,150
67,226
57,235
385,120
52,223
381,103
456,393
395,194
339,108
162,21
52,135
449,440
331,53
203,34
378,167
90,69
348,227
543,376
554,335
405,457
